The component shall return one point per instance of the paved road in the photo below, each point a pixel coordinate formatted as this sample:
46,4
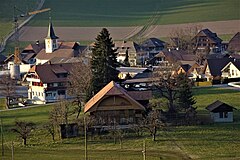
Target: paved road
226,86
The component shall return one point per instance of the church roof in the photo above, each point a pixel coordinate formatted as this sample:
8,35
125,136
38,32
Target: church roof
51,33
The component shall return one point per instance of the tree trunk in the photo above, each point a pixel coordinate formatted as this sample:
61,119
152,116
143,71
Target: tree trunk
24,141
154,134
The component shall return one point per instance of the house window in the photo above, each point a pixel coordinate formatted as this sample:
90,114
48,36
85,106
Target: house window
48,94
223,114
232,72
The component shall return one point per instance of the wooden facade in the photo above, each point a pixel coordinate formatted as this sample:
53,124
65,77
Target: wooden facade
113,105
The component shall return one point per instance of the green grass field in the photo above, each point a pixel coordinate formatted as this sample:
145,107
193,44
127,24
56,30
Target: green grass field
6,13
134,13
207,142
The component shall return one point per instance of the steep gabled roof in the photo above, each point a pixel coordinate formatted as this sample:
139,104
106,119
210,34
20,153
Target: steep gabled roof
153,42
217,104
212,36
51,33
217,64
236,63
234,43
110,89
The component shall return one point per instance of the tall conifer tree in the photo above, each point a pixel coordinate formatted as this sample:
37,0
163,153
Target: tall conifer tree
104,61
185,98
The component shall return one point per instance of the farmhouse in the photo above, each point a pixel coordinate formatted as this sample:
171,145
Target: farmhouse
221,112
152,46
113,105
206,39
213,67
191,69
170,57
48,82
124,48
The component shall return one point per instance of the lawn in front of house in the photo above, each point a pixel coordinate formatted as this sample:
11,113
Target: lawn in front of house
213,141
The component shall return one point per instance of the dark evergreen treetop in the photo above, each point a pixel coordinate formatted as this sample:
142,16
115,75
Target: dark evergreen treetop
104,61
185,98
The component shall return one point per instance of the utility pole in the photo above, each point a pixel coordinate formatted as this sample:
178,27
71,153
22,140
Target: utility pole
144,150
12,150
2,140
85,133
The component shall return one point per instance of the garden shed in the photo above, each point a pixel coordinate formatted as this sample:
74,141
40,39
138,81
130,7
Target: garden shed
220,111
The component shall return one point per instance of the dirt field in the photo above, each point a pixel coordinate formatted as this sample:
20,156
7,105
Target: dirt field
89,33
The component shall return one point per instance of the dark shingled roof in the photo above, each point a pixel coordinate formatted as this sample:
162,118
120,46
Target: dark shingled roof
48,72
217,64
211,35
186,67
234,43
153,42
51,33
237,64
217,104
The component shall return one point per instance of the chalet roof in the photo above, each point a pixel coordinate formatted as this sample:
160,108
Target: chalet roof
210,35
109,90
140,95
28,56
122,46
217,64
236,63
234,43
153,42
176,55
217,104
48,72
51,33
65,50
186,67
235,55
34,47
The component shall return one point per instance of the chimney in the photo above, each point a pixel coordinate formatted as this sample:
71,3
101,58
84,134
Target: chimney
37,42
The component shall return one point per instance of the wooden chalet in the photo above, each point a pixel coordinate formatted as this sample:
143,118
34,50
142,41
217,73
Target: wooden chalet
113,105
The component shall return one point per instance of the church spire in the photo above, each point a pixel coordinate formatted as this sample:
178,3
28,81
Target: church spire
51,33
51,41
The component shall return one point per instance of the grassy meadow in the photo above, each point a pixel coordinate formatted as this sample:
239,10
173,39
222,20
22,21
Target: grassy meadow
134,13
6,13
208,142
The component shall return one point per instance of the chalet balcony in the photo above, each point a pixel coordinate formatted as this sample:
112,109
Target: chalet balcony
32,79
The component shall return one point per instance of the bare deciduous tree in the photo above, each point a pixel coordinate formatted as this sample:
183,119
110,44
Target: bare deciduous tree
59,115
23,129
80,82
152,122
50,127
164,79
183,38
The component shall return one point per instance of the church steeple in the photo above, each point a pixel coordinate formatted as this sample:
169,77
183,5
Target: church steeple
51,42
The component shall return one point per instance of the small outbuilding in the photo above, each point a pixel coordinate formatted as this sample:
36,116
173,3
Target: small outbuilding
221,112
